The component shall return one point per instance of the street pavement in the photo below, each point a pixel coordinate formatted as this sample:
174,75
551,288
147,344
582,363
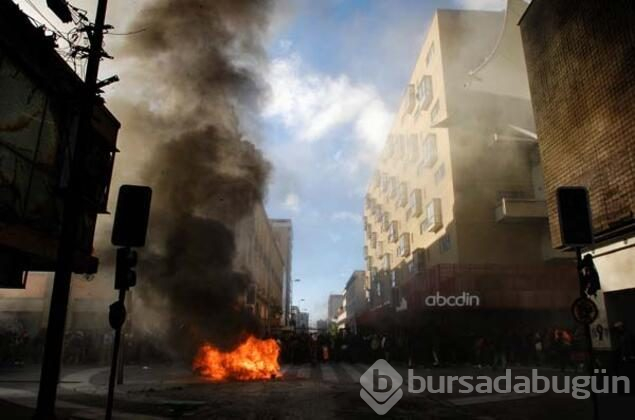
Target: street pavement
304,391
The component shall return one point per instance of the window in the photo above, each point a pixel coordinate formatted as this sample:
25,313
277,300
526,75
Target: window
439,174
414,204
419,259
385,221
402,197
380,247
424,93
376,212
430,55
384,182
393,278
373,240
435,112
393,231
428,151
403,249
411,99
444,243
386,262
393,186
369,264
432,222
412,151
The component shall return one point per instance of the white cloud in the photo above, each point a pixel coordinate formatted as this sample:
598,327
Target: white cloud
481,4
346,216
312,105
292,202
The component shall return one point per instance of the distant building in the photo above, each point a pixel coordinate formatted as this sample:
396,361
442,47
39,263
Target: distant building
341,318
457,199
283,231
258,254
322,325
334,305
356,301
303,321
581,74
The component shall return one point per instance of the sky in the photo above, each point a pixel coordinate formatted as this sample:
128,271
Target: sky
336,73
338,70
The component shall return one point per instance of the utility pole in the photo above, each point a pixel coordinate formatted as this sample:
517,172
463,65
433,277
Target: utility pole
73,209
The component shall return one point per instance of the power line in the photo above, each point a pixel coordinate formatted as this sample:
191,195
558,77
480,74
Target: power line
45,18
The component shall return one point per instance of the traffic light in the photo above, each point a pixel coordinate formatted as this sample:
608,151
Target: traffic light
589,275
125,276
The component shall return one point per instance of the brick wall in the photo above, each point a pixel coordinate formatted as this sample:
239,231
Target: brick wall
581,64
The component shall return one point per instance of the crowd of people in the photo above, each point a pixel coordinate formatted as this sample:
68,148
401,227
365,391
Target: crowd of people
430,346
81,347
556,347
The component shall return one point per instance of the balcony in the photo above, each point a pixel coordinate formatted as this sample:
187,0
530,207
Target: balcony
513,210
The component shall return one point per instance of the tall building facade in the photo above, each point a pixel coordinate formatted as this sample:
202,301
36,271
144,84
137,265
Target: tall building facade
258,254
283,231
456,203
356,301
334,304
580,63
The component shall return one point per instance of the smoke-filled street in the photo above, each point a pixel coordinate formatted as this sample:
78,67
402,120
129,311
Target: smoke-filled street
296,209
304,391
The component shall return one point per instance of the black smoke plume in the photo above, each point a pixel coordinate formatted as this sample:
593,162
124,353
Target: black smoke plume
192,124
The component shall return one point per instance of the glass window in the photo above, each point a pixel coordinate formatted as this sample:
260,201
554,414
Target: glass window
424,93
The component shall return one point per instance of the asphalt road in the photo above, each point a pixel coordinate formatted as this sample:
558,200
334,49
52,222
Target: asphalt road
304,392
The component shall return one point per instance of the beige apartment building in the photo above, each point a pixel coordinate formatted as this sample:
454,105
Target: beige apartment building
456,203
283,232
258,255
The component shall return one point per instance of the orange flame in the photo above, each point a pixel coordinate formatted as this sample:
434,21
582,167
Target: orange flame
254,359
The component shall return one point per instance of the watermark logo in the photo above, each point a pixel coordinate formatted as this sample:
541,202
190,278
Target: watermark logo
464,299
381,387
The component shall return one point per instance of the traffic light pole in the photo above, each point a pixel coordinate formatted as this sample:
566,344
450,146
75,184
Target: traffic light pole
587,334
73,206
115,359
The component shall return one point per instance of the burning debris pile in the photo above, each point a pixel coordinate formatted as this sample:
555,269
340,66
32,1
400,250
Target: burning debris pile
192,106
254,359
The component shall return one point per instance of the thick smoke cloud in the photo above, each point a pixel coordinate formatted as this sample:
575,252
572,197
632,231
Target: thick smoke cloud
191,124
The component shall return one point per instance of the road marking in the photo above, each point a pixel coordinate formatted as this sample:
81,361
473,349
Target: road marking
328,373
485,399
352,372
15,393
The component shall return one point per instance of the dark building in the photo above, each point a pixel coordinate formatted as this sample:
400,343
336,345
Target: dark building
580,59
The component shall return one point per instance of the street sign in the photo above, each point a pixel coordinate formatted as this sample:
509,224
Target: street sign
131,217
584,310
574,214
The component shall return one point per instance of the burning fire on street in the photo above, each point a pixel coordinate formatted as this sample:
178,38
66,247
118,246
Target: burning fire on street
254,359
